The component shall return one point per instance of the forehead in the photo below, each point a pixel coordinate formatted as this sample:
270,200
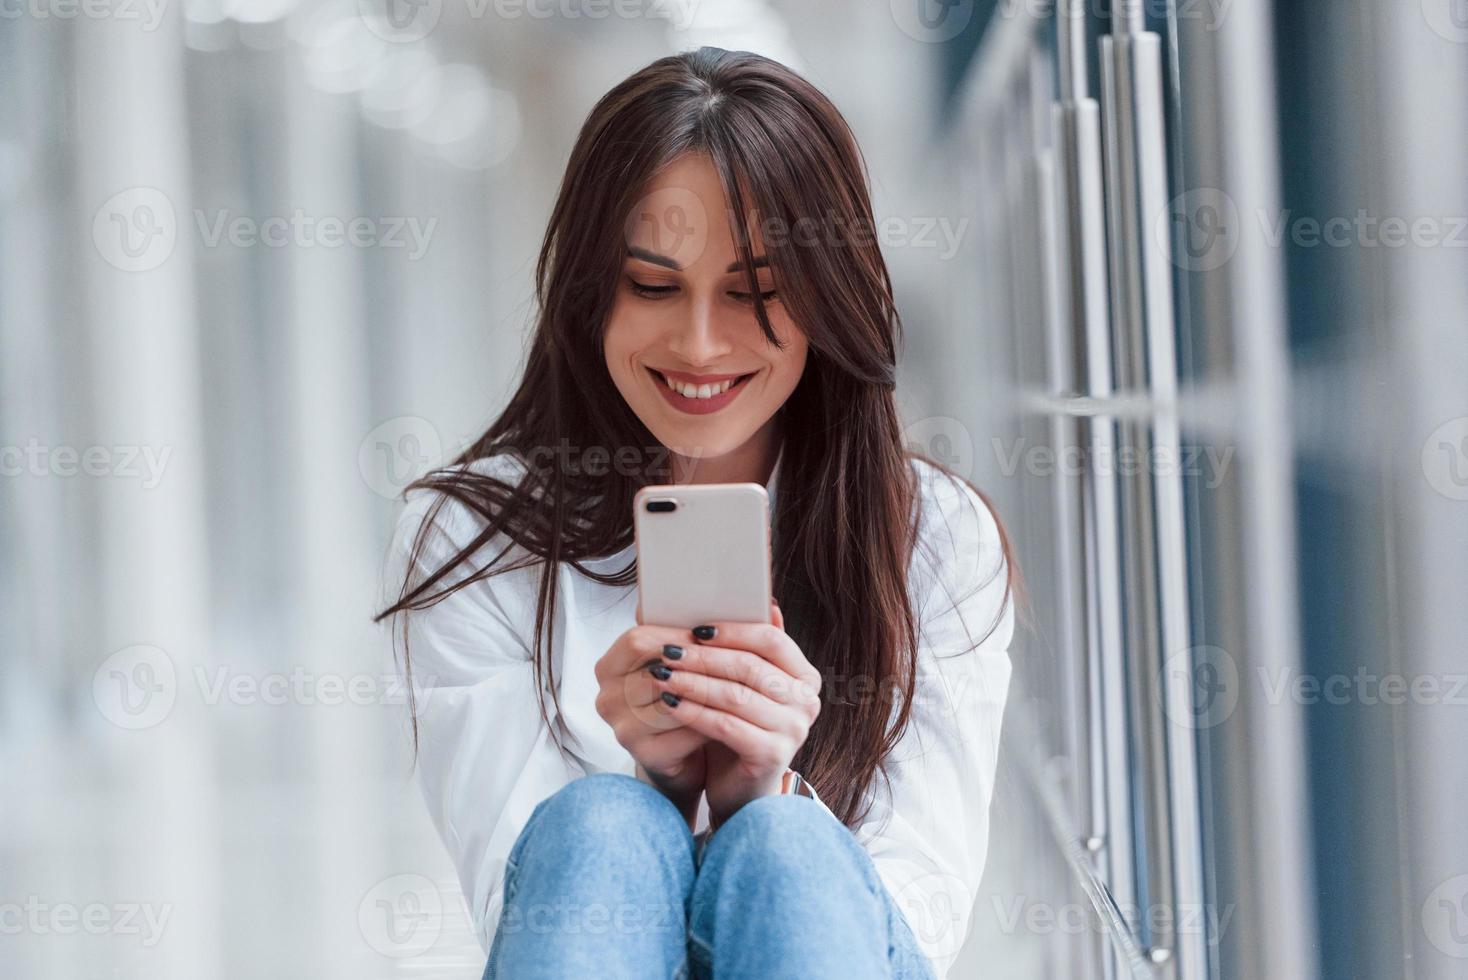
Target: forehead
684,214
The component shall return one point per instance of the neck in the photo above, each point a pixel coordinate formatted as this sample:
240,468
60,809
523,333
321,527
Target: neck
752,462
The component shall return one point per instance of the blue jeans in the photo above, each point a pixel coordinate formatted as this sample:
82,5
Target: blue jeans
605,881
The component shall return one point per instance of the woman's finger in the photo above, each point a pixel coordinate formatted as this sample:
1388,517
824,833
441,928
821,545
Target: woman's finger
737,699
768,641
751,743
646,644
748,669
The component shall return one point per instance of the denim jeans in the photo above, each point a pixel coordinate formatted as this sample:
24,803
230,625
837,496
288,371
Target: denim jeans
605,881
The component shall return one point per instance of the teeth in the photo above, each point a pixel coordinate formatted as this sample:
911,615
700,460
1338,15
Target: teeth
699,391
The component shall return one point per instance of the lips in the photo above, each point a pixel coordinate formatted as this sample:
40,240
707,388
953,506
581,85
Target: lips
700,406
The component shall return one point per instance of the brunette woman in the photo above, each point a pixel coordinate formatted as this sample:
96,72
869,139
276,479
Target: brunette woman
804,799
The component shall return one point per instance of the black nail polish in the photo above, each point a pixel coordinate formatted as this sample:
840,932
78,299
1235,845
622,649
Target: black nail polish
672,652
704,632
659,671
671,700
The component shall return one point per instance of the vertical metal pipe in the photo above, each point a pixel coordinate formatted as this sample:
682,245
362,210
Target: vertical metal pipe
1155,556
1231,144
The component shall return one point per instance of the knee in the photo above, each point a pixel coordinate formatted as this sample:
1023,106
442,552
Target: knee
611,808
781,819
794,835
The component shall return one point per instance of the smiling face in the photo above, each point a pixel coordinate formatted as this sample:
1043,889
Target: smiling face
683,343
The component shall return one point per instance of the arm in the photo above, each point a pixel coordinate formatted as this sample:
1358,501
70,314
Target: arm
929,839
486,758
687,806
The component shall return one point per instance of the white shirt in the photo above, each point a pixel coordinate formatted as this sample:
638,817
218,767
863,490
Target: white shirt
486,758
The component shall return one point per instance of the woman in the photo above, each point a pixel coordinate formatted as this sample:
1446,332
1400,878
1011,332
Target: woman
651,821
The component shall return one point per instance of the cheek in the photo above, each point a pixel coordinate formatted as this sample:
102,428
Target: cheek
789,364
621,339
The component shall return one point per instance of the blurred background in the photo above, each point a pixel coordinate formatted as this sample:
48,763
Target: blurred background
1185,287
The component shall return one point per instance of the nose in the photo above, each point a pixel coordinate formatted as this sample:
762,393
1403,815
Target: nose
701,340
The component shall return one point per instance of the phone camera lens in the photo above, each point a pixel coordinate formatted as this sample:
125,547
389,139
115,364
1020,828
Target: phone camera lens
661,506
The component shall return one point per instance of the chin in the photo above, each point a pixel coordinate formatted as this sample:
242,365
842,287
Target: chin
692,444
705,450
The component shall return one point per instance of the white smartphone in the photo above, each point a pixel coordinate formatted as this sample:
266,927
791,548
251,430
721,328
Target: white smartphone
703,553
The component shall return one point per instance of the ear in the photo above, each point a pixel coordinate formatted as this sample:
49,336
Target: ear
776,616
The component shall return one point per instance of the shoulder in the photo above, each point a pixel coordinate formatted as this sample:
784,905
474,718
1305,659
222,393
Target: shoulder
433,526
960,572
473,595
956,524
444,519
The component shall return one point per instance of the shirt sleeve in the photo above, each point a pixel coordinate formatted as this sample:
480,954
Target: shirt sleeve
486,757
929,837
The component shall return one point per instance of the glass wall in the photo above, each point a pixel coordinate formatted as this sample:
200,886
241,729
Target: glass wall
1224,434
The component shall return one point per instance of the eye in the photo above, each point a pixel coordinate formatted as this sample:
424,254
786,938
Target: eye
767,296
649,290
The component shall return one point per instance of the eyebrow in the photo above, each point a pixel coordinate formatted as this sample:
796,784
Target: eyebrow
760,261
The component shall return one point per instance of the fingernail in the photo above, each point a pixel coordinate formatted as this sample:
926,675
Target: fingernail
671,700
672,652
704,632
774,600
659,671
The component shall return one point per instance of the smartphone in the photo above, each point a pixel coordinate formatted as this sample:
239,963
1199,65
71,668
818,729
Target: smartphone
703,553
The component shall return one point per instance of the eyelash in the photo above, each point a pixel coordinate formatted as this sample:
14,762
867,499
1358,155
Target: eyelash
656,292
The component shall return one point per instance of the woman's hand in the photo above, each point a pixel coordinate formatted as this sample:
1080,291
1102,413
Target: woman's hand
669,754
751,691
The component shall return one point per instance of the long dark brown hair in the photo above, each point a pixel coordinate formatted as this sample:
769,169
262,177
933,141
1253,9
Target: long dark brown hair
845,520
